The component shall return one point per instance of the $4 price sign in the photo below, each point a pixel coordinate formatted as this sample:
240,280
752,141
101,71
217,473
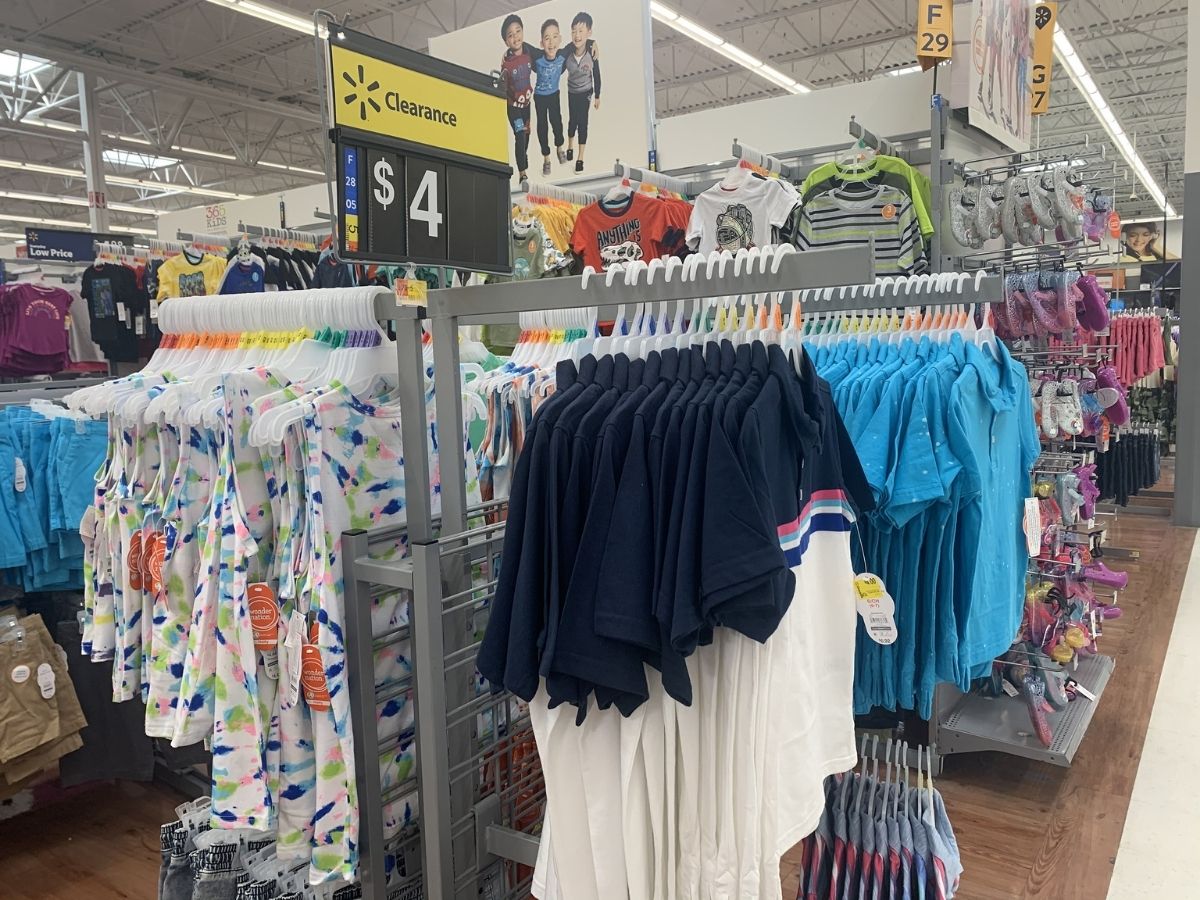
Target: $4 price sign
405,206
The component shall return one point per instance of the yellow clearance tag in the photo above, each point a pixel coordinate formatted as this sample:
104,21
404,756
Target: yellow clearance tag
1045,15
876,608
411,290
935,31
868,586
385,98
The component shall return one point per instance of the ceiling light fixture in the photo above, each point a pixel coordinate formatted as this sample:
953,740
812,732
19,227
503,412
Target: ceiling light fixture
173,188
1086,85
272,165
13,234
274,14
40,220
79,201
40,169
701,35
123,181
50,123
64,223
905,70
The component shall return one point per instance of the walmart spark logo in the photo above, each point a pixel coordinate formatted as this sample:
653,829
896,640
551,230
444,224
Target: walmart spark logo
353,97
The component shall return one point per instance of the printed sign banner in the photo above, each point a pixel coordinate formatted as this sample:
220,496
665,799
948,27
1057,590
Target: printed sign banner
1001,49
576,79
68,246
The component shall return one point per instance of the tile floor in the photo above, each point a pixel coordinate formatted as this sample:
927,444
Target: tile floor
1162,828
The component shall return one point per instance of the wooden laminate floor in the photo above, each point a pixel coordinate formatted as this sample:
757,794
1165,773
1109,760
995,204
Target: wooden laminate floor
1026,829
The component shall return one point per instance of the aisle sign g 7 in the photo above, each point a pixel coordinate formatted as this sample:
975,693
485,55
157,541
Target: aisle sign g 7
423,174
1045,15
935,31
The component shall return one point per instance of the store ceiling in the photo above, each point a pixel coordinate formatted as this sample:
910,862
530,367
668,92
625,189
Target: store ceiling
210,99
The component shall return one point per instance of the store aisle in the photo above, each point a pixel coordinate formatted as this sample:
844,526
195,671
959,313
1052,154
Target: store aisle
1032,830
1162,829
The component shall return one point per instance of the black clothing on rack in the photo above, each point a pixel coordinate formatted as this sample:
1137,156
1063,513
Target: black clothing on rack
1130,464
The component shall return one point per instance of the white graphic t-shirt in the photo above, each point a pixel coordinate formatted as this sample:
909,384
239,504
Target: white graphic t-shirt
741,217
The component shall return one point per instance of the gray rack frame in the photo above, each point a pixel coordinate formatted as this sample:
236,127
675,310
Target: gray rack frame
443,549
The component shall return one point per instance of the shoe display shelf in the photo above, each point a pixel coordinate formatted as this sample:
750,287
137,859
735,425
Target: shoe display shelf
972,723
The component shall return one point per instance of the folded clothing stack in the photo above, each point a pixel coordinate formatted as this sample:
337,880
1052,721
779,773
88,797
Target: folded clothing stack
40,716
47,469
34,326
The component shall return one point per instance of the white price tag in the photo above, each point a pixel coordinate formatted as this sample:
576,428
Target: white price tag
293,651
123,313
139,326
19,475
1008,687
876,608
153,309
1033,526
20,674
45,680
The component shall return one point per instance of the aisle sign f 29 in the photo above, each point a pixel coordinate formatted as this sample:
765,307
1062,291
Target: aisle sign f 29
1045,17
423,174
935,31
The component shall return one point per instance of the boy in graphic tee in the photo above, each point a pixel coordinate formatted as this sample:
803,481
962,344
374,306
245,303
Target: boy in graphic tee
516,72
583,84
548,69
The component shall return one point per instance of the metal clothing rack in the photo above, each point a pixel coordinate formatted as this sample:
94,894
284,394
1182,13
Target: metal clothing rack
476,779
688,189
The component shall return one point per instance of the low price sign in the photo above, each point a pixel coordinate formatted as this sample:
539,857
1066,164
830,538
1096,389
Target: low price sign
423,168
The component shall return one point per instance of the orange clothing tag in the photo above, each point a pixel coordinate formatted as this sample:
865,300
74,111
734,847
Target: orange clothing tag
154,554
134,562
312,678
264,616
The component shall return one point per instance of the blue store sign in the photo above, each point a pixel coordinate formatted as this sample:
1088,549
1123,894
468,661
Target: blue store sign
68,246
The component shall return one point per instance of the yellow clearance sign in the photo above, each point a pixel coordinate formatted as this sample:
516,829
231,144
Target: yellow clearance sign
1044,16
390,100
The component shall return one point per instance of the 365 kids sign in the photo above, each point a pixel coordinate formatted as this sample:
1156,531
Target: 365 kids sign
575,80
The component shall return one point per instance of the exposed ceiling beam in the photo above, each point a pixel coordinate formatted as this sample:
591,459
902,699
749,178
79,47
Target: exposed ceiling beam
673,38
831,49
128,70
75,138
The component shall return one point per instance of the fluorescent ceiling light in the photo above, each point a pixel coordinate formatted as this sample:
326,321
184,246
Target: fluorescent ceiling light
78,201
131,159
274,14
13,234
1086,85
13,64
39,220
166,187
300,169
701,35
171,187
1136,220
64,223
38,167
905,70
49,123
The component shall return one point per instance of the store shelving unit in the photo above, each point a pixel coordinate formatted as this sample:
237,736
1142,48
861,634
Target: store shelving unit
476,782
972,723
